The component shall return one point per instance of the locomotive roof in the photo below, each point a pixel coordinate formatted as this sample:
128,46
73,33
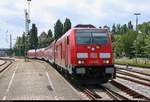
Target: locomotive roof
41,49
31,50
77,28
50,45
101,29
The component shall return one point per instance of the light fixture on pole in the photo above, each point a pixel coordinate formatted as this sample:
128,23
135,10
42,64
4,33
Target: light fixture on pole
136,14
27,25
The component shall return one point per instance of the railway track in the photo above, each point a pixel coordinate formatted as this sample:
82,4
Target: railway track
134,80
142,73
133,75
5,65
91,94
129,91
114,95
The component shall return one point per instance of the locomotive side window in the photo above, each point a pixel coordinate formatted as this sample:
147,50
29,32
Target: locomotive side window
61,50
67,40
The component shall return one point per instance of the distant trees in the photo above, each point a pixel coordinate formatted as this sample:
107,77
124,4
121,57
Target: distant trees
67,25
29,41
50,33
19,47
130,26
44,40
32,41
127,42
58,29
33,38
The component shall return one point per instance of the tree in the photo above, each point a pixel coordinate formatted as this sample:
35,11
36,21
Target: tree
67,25
50,34
118,29
113,29
128,40
139,45
130,26
117,45
124,28
19,46
58,29
147,46
23,43
44,40
145,27
33,39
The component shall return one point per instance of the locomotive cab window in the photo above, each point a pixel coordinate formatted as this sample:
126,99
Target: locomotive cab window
100,38
84,38
92,38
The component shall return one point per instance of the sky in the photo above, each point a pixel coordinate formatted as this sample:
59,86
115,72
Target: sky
45,13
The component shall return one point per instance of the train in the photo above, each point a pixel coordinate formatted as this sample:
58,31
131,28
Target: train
84,53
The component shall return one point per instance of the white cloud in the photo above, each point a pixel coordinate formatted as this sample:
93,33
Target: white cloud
44,13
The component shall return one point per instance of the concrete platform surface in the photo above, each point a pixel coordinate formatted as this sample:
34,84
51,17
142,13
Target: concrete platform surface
34,81
1,62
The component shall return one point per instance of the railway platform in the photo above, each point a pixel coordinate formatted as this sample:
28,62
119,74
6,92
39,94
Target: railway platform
34,80
1,62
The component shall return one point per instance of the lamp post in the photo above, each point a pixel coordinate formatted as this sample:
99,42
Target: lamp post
136,14
27,24
10,45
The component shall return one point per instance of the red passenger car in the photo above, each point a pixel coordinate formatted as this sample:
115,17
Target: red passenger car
31,54
40,53
49,52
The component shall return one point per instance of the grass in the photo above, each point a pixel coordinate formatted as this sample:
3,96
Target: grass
140,62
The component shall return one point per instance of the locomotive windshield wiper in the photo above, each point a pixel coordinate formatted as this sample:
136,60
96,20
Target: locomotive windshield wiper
92,38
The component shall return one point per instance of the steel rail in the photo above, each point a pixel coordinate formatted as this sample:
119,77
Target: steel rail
142,73
8,63
3,63
132,75
114,95
133,80
129,91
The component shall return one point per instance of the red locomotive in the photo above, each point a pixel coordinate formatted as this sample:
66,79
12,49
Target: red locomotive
85,53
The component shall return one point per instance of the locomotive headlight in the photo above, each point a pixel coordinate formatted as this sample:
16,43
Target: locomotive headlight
88,47
82,62
79,62
98,47
106,61
93,49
